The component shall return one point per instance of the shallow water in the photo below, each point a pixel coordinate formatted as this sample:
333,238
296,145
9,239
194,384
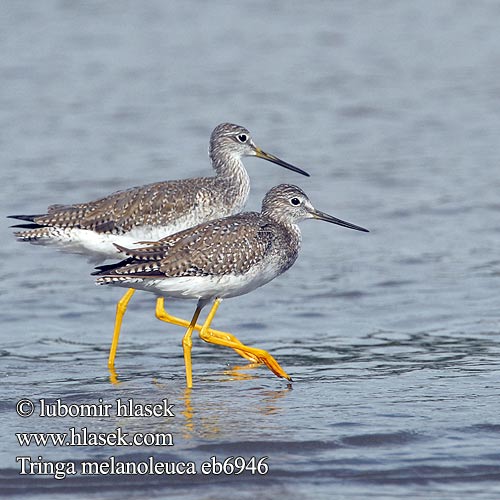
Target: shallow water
391,337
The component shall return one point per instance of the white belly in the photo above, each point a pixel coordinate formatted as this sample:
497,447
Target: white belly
99,246
204,287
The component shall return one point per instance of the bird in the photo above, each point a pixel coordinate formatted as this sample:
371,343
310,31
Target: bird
151,212
219,259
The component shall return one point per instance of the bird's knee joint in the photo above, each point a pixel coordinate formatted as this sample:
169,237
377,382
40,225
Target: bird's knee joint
205,334
121,308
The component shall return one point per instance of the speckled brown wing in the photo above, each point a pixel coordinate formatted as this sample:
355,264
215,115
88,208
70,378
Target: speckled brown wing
226,246
154,204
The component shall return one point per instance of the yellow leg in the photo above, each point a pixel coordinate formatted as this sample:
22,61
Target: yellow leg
187,344
260,354
162,315
121,307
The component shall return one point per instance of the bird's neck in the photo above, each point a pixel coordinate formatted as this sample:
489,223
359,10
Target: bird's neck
293,230
289,227
289,243
232,172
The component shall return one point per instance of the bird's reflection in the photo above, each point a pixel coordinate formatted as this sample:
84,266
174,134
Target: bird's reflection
113,377
202,423
239,372
199,421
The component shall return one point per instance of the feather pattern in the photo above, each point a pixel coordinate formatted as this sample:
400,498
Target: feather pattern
221,258
152,211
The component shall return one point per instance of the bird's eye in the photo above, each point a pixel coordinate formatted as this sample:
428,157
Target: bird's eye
295,202
243,138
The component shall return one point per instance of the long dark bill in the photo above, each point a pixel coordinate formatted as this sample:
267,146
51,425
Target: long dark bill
329,218
274,159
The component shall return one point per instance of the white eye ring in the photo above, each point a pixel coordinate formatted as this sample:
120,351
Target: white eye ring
242,138
295,202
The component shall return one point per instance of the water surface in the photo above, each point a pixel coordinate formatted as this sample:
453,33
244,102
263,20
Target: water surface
391,337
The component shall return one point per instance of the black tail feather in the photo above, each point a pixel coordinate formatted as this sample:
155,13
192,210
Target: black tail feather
105,269
27,226
29,218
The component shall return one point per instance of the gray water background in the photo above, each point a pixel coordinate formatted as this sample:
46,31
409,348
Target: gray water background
391,337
